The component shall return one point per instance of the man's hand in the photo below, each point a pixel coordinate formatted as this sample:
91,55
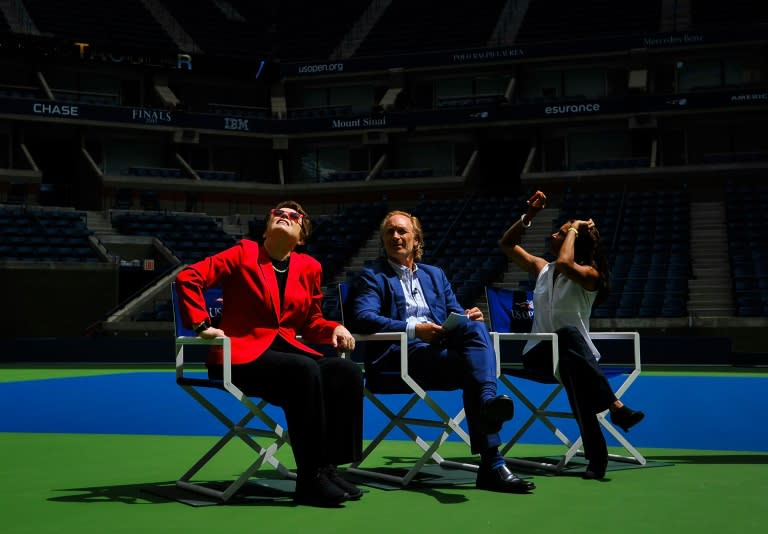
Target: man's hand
429,332
474,314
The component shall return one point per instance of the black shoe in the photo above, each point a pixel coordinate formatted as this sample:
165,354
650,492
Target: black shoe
595,471
502,480
353,491
495,412
317,490
626,418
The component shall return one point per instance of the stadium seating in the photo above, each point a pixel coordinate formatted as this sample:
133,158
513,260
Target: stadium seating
189,237
408,20
45,235
748,254
646,237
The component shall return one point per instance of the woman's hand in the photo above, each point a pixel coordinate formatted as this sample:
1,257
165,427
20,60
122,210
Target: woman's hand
342,339
581,225
538,201
212,333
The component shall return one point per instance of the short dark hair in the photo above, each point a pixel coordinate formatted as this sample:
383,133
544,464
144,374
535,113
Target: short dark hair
306,221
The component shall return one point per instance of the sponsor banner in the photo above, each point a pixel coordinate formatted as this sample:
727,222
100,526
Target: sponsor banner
259,65
60,51
466,116
519,51
133,115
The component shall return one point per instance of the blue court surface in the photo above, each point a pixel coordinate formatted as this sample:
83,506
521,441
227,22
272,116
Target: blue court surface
707,412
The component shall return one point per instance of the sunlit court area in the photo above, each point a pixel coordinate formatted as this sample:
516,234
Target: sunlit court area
95,448
140,137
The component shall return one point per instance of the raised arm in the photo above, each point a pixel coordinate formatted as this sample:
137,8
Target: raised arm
584,273
510,241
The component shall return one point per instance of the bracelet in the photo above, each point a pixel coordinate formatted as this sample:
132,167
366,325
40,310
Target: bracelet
574,230
523,222
202,326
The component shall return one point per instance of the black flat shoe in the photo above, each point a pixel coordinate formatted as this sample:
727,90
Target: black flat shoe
353,491
495,412
595,471
502,480
318,490
626,418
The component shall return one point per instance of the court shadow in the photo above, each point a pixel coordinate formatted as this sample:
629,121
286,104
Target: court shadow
714,459
278,492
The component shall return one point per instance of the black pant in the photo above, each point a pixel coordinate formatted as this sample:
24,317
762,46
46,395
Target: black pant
322,399
589,391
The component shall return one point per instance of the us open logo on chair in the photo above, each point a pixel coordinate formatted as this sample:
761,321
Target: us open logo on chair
214,301
215,308
522,309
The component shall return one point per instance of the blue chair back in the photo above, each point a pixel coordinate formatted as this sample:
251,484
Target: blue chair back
343,292
214,301
509,310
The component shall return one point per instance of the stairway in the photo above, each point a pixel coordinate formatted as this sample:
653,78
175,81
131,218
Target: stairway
710,289
100,224
369,251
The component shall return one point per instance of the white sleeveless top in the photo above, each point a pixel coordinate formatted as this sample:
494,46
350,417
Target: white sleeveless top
560,302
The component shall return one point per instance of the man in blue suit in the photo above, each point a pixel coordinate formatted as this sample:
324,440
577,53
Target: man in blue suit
399,294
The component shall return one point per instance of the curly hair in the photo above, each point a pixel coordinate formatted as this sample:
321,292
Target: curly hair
588,250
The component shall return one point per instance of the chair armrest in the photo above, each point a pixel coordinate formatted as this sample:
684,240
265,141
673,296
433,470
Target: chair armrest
223,342
497,337
631,336
402,337
634,337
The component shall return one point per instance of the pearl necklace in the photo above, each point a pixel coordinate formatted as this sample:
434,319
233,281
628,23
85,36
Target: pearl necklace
281,263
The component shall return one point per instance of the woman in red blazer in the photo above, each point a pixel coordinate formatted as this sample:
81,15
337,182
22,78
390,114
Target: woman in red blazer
272,294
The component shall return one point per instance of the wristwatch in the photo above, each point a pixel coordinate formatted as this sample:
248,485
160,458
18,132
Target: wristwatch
199,327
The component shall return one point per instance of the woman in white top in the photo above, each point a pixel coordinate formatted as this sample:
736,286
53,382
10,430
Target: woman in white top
566,290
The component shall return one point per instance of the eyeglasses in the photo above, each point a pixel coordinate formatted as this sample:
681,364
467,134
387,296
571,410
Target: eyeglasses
295,216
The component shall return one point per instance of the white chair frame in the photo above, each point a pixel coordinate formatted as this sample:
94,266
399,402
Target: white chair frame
544,414
268,427
400,419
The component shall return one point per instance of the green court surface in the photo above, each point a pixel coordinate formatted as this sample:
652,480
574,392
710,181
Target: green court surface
103,484
113,483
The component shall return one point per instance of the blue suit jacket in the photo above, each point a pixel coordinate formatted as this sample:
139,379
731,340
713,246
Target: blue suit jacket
376,302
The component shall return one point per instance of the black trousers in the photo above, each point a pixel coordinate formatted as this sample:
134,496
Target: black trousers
322,399
588,390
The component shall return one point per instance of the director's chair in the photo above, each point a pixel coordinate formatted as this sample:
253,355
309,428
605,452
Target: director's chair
510,313
382,383
255,422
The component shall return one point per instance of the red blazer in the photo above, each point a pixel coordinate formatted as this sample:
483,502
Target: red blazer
252,315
